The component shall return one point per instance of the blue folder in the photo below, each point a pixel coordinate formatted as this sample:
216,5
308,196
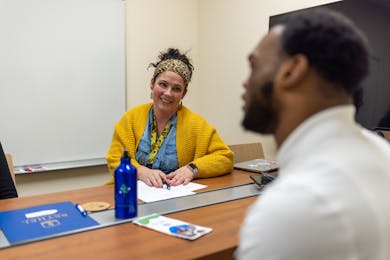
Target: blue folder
42,221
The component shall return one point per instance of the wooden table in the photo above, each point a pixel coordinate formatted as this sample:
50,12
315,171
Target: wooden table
128,241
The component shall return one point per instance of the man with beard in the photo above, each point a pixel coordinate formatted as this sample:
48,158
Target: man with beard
330,199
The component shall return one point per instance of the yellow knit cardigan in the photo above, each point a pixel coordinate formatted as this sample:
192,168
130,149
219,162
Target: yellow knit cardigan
196,141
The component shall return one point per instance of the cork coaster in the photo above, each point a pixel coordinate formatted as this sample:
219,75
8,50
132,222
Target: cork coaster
95,206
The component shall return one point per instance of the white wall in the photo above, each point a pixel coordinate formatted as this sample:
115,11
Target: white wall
60,180
219,34
154,26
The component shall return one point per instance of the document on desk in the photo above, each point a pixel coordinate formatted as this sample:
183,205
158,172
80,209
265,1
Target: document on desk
150,194
42,221
173,226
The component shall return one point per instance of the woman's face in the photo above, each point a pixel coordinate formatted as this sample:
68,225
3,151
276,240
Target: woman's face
167,92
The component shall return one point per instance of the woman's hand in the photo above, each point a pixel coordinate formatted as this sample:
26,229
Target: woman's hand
151,177
182,175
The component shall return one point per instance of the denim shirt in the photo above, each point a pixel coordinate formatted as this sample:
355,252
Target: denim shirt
166,157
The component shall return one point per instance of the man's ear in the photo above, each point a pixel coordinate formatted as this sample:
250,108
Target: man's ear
292,71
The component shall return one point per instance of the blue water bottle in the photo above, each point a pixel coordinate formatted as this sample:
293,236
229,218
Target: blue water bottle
125,188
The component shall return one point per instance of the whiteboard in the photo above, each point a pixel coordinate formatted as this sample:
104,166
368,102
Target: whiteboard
62,79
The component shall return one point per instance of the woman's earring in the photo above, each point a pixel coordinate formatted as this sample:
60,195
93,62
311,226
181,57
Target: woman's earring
180,105
151,95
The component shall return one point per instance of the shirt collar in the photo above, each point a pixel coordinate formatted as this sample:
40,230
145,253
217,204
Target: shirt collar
317,127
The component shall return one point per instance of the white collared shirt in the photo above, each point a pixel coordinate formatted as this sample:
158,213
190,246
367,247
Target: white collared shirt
331,198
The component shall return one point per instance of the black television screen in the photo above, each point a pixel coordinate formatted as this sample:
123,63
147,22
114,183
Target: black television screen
372,17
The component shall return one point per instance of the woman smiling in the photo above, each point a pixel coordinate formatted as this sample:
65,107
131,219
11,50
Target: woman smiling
166,141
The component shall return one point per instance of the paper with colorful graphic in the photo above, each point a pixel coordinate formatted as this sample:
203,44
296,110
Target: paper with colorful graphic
172,226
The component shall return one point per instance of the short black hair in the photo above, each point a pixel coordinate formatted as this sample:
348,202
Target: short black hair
334,46
174,54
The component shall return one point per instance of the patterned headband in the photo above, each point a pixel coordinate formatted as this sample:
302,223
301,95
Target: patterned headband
176,66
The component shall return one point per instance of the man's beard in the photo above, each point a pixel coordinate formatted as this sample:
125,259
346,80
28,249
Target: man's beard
261,116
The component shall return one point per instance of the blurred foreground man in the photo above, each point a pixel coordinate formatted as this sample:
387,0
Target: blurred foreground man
331,198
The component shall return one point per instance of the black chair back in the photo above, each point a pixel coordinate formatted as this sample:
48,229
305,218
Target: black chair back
7,185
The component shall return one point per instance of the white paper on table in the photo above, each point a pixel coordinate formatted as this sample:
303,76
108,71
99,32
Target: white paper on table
150,194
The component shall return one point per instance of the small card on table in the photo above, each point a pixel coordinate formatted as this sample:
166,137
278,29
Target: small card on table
172,226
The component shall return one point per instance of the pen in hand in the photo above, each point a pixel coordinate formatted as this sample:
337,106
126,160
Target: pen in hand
165,184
